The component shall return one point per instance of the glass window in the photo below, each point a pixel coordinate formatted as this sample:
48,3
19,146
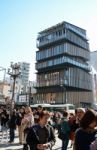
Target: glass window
50,63
60,32
64,31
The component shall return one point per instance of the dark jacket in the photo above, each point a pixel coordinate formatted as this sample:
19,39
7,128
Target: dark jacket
83,139
12,122
19,118
4,119
65,128
73,126
34,137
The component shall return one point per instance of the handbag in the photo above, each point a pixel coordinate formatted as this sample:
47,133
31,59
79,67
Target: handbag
62,136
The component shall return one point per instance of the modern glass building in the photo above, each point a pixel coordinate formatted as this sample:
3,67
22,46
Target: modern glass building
25,68
63,72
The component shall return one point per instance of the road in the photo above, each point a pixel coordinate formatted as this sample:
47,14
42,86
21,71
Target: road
4,145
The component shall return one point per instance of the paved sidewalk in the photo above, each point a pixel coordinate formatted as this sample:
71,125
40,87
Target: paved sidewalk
4,145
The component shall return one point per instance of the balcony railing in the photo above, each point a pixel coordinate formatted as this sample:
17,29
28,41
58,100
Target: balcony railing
70,82
50,40
68,35
52,83
60,61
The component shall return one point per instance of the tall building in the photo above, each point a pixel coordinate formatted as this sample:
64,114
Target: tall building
24,77
93,60
63,72
4,89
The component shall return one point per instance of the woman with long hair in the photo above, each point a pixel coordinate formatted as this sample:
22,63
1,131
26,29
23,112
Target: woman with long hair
85,135
27,122
20,116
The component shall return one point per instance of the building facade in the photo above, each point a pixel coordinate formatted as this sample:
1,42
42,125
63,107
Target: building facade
5,89
24,76
93,63
93,59
63,72
4,92
21,82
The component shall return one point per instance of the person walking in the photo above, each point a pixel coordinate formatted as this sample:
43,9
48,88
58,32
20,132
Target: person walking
64,131
73,127
85,135
27,123
41,136
4,120
20,116
12,126
79,113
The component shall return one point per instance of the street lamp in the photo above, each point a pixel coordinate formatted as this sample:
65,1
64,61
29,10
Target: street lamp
14,72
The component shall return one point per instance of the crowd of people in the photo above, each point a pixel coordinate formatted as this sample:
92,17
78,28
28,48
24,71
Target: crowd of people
37,128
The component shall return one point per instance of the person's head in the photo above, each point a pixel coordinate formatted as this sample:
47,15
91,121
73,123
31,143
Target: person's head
65,114
23,107
28,110
80,113
39,108
71,116
43,117
36,117
22,110
88,120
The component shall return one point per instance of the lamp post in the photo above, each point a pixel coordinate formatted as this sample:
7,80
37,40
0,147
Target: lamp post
14,72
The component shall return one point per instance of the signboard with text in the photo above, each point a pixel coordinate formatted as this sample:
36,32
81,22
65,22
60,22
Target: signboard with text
23,98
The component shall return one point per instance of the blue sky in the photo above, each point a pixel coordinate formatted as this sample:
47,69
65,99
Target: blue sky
21,20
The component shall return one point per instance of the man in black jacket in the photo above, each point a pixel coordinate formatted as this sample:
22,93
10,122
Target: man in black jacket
41,136
12,126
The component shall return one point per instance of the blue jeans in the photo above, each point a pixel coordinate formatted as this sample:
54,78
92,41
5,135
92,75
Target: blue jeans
65,144
12,134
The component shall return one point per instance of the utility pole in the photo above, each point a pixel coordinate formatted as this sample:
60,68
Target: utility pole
14,72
